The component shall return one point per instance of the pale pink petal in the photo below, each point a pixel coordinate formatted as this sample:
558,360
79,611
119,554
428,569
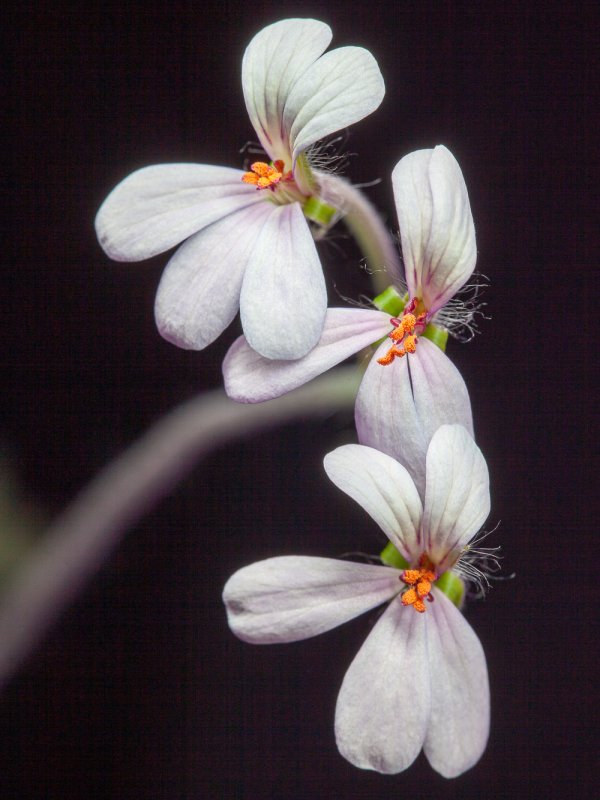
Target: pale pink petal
383,488
457,494
275,58
294,597
460,704
400,406
283,299
250,378
199,292
157,207
436,225
341,88
384,704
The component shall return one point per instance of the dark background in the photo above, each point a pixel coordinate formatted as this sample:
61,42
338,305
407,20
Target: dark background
141,691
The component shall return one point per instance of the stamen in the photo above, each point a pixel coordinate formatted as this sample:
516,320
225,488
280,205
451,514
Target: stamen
419,582
411,576
409,598
265,176
410,343
403,336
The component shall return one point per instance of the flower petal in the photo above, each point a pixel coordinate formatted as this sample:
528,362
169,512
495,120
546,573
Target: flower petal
283,300
275,58
436,225
383,488
400,406
457,494
199,292
460,708
250,378
341,88
384,704
295,597
157,207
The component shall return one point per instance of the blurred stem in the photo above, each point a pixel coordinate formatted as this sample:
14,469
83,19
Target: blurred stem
365,225
79,541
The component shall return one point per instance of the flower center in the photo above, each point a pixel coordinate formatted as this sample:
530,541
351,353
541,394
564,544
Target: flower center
265,176
406,330
419,583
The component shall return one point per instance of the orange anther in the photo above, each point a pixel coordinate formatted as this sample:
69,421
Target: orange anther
419,581
403,336
409,597
386,359
262,169
408,323
410,343
264,176
411,576
391,354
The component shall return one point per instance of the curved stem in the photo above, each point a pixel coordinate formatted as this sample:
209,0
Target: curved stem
78,542
365,225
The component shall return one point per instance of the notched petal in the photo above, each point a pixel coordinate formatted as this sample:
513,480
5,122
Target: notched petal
157,207
436,225
400,406
283,300
341,88
251,378
383,488
199,292
295,597
460,711
274,60
384,704
457,496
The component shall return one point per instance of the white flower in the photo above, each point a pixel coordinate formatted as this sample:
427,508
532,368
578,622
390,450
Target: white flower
249,245
403,398
420,679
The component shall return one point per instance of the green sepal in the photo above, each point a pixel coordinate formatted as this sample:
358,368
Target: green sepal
452,586
304,176
391,301
318,211
392,558
438,336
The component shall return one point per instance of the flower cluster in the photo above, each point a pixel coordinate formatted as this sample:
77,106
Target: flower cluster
419,682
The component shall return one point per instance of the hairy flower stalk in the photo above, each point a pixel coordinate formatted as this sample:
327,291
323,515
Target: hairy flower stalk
247,236
367,228
420,679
